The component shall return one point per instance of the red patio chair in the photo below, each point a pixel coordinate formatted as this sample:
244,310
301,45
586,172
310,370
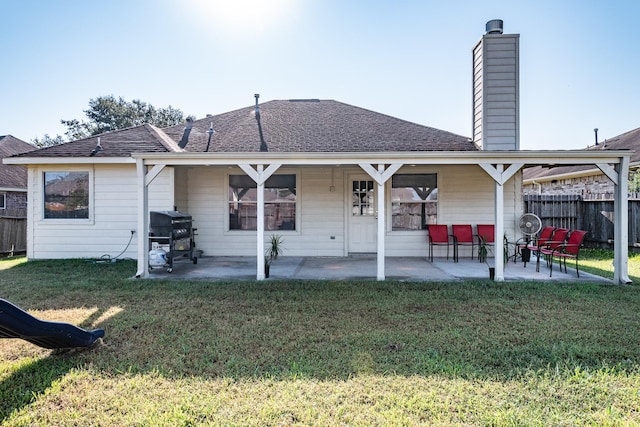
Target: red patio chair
486,235
534,244
570,249
438,236
462,236
558,239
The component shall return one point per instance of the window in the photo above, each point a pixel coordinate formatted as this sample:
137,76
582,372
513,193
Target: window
279,203
66,195
3,200
414,201
363,198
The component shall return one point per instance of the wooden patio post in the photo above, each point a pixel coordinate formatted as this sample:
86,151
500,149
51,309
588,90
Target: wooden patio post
499,227
621,223
381,220
143,221
260,176
260,226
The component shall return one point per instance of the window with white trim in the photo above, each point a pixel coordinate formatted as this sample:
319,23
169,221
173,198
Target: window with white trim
66,195
279,202
414,201
3,200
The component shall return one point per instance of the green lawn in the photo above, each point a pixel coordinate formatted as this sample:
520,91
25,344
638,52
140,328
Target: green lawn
322,353
600,262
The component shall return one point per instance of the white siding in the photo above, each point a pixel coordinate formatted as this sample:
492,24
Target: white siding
181,190
321,228
320,214
465,196
112,215
208,190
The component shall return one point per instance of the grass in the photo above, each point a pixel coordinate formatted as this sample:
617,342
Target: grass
322,353
600,262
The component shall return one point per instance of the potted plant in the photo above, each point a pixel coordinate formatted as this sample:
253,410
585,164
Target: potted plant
505,247
483,249
273,251
483,253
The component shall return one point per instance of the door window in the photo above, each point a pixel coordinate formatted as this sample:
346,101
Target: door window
363,198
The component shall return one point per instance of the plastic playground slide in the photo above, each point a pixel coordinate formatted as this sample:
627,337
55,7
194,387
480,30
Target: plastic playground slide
17,323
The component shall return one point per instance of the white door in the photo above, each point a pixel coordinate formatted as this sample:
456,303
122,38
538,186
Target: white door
363,226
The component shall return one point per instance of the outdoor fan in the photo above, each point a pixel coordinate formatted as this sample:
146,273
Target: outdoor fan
530,224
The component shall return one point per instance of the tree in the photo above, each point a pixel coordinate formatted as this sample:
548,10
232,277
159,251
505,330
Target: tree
106,113
47,141
634,181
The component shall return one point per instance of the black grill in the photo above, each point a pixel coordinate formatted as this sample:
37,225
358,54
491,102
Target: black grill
175,230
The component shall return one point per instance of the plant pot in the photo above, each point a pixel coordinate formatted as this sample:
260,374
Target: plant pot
492,273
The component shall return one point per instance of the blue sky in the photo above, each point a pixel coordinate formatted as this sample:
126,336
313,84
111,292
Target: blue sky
580,60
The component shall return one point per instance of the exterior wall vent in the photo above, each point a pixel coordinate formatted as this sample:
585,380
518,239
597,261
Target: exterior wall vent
495,26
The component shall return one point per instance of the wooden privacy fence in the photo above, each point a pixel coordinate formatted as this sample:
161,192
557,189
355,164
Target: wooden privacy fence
594,216
13,235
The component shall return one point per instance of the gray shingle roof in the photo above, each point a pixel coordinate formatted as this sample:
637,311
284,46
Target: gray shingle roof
627,141
13,176
119,143
315,126
286,126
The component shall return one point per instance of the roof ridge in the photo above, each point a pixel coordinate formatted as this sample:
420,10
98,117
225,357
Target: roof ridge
163,138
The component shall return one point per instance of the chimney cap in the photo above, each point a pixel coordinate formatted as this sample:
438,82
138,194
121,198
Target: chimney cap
495,26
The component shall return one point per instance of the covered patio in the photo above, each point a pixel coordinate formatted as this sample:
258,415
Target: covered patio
363,267
500,166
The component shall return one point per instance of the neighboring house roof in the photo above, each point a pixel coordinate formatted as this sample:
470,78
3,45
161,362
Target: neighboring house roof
627,141
285,126
13,176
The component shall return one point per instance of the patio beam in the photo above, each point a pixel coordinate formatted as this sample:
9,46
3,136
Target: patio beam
260,175
380,175
609,171
153,173
542,157
498,175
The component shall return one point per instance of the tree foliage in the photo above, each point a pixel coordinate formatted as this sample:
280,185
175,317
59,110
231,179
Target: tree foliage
108,113
634,181
47,141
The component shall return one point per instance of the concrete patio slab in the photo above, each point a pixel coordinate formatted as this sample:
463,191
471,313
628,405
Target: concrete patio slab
360,267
